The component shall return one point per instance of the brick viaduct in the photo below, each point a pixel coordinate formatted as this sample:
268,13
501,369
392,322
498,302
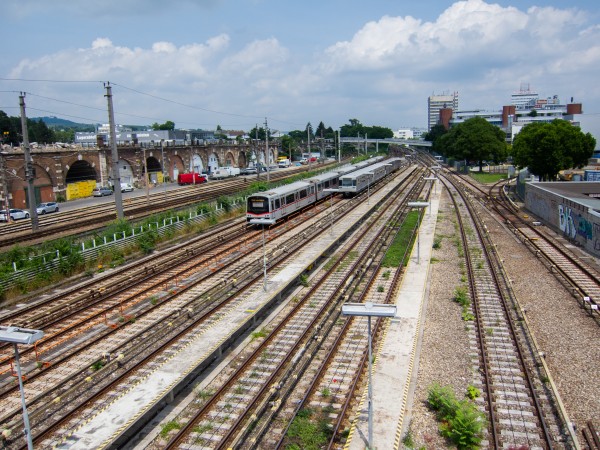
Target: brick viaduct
55,168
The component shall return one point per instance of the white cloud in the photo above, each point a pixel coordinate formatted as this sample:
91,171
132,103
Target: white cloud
382,75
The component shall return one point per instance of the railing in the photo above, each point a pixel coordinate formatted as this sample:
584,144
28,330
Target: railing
119,240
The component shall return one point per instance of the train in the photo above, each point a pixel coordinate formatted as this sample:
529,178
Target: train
278,203
357,181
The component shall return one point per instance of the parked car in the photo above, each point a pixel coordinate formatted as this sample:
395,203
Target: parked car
126,187
15,214
248,171
47,207
102,191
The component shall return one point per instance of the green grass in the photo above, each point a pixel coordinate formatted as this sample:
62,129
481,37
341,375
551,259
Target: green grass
398,250
488,177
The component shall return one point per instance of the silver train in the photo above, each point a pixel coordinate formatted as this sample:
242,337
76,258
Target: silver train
280,202
359,180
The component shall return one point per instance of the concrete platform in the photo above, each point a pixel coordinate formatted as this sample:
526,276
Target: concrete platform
110,426
394,368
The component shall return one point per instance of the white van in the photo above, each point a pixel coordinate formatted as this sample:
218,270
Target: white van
126,187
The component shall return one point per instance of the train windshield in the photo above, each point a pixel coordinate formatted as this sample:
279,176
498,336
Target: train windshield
348,182
258,205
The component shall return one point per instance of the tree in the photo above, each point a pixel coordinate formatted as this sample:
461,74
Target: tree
168,125
433,136
353,129
548,148
39,132
476,140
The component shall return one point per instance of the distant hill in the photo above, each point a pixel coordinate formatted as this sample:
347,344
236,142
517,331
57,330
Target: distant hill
55,122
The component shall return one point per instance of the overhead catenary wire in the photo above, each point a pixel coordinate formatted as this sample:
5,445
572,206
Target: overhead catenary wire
140,92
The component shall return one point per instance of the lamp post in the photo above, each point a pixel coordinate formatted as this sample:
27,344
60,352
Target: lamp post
263,222
370,310
15,335
419,205
432,179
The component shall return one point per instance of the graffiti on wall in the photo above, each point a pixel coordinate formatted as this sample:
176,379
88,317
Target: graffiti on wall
584,227
597,234
572,225
565,221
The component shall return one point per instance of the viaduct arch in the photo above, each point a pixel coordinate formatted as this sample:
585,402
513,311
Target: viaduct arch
58,169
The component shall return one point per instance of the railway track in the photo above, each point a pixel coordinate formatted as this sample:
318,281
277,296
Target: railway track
522,409
66,223
117,355
581,278
249,404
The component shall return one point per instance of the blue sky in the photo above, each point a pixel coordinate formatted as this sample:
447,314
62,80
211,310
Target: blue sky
203,63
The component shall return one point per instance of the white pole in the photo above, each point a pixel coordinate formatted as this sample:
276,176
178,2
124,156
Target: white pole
370,389
264,260
26,430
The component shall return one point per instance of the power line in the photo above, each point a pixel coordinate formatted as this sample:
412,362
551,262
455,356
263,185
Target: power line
137,91
49,81
183,104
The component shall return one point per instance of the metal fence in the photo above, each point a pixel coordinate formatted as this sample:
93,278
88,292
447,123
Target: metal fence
51,262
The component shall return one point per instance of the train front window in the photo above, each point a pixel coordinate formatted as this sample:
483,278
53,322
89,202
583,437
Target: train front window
258,205
347,182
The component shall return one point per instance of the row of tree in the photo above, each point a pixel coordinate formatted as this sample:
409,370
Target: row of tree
544,148
38,131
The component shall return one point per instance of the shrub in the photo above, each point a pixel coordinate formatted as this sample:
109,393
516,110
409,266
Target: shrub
461,296
461,421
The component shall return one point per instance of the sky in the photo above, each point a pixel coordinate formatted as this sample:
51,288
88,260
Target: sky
237,63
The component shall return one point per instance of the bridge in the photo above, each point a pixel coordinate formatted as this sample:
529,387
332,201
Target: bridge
408,142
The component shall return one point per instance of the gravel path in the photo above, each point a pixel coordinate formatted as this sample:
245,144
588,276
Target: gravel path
563,331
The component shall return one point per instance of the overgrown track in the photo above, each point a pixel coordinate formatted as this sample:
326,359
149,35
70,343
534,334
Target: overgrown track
581,278
521,407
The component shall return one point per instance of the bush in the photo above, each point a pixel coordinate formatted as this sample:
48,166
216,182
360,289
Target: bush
461,296
462,422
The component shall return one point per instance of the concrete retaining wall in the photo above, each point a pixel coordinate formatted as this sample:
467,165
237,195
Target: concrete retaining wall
575,219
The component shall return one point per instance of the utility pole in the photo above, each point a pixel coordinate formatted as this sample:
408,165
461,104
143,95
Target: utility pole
4,185
114,153
339,146
308,146
267,150
146,177
257,153
29,171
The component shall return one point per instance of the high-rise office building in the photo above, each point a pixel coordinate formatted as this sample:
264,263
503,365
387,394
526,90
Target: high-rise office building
437,102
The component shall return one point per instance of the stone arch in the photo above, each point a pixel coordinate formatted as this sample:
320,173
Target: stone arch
229,159
154,169
126,173
80,170
197,163
242,161
17,187
213,162
177,167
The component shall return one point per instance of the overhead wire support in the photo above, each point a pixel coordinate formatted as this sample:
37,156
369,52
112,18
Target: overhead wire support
29,171
116,177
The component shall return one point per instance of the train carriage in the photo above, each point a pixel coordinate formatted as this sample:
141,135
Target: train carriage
358,181
280,202
328,180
